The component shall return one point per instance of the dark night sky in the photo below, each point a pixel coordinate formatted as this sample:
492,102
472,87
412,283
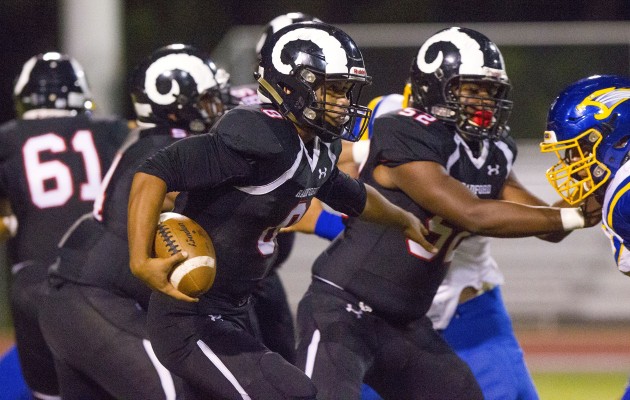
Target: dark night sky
28,27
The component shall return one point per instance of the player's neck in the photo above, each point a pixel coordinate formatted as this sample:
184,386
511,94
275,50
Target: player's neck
305,135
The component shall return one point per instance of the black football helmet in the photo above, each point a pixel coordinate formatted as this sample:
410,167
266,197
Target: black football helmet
51,82
304,57
450,58
181,86
278,23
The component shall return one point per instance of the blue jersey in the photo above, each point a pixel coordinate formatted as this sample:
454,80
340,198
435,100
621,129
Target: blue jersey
616,216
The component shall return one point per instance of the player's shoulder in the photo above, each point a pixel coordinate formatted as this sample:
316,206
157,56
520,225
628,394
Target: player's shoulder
509,141
412,122
162,132
9,127
258,130
9,139
108,121
617,192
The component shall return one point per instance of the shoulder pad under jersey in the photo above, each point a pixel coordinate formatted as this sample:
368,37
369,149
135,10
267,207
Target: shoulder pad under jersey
253,130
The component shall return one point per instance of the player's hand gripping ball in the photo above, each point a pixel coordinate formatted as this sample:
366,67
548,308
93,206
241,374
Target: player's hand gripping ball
177,233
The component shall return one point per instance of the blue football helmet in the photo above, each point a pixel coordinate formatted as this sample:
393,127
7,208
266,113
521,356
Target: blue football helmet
588,128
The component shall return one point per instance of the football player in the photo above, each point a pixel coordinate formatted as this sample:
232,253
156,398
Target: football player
255,172
447,158
52,160
588,129
470,289
94,300
270,303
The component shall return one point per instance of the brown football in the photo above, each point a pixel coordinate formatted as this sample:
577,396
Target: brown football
177,233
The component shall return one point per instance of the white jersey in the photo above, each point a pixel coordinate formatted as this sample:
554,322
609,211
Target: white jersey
472,266
472,263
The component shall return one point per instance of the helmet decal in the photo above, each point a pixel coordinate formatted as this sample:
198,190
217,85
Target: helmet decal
471,54
181,86
606,100
200,72
469,50
280,22
336,57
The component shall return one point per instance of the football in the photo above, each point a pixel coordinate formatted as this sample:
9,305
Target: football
176,233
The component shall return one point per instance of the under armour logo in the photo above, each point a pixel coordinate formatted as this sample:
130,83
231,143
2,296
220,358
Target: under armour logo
493,170
215,318
322,174
362,308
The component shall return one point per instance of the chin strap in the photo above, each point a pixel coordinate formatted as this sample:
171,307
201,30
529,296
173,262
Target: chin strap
276,96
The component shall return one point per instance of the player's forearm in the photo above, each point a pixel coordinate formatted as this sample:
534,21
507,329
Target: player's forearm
505,219
145,202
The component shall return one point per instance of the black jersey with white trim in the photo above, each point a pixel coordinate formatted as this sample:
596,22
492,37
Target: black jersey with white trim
244,180
51,171
95,250
382,268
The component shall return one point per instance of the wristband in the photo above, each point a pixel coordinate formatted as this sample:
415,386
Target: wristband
329,225
572,218
11,223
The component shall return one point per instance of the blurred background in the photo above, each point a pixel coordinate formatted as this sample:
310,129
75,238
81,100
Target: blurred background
550,289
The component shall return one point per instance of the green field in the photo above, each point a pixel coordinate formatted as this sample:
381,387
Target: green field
581,386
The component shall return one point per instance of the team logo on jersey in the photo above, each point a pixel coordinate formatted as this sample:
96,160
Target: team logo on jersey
308,192
322,173
606,100
494,170
362,308
335,55
480,189
470,54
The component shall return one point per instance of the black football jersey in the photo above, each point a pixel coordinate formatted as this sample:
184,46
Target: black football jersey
51,172
390,273
244,180
95,251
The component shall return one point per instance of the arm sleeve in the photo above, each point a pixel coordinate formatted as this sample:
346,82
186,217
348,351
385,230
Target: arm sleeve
197,162
343,193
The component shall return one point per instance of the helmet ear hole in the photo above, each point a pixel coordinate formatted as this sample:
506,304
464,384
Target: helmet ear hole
621,143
